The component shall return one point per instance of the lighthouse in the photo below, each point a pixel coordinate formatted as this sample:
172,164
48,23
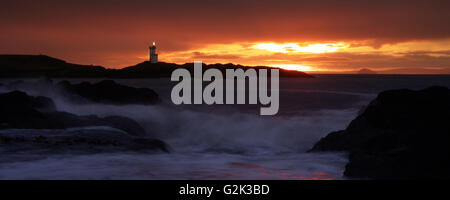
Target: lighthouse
153,55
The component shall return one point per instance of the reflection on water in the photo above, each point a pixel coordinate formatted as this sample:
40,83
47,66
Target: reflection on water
179,166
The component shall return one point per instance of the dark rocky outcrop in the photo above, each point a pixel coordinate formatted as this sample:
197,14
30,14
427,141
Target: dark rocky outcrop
76,140
18,111
109,92
402,134
42,65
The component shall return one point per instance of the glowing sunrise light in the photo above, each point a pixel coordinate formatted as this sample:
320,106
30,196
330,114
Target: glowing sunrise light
292,67
296,48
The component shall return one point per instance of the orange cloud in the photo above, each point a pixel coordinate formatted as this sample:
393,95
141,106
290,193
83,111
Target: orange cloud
419,56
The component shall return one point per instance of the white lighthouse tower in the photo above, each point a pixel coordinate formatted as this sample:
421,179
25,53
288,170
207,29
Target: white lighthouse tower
153,55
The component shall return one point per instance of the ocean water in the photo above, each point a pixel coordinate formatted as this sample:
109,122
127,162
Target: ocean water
223,141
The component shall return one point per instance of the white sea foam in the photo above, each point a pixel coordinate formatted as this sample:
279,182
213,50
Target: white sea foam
206,142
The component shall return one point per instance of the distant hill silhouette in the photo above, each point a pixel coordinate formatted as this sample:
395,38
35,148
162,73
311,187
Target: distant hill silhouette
366,71
42,65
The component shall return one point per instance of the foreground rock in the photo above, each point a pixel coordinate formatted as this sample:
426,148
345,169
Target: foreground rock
49,128
109,92
76,140
402,134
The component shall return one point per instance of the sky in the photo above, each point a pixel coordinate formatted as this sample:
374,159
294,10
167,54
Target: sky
320,36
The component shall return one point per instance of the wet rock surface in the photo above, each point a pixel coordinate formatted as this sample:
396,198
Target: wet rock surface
33,123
